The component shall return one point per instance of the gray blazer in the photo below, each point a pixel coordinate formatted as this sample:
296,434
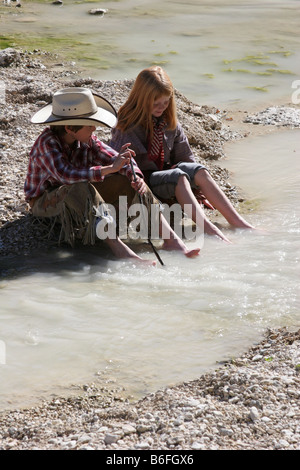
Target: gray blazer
176,146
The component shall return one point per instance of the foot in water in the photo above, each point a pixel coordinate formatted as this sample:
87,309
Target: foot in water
178,245
122,251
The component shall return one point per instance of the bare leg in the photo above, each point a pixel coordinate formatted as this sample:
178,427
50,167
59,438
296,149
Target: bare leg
173,242
218,199
121,250
187,200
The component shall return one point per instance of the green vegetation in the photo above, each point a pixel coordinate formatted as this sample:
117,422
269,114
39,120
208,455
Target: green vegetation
284,72
160,62
67,47
258,64
264,89
282,53
259,59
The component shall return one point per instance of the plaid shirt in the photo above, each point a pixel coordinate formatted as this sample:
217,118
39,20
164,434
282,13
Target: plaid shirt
53,163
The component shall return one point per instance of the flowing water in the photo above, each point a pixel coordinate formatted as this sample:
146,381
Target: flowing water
68,318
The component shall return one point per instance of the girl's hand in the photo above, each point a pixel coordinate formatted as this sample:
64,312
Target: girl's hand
139,185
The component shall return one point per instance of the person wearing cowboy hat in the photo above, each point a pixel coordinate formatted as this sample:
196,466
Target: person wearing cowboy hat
72,174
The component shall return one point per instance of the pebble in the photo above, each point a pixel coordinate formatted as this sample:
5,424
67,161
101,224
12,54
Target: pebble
254,414
97,11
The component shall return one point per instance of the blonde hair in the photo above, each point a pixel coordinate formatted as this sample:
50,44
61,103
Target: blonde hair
151,84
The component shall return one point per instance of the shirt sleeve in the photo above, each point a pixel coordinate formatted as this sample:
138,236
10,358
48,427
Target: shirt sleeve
54,162
179,147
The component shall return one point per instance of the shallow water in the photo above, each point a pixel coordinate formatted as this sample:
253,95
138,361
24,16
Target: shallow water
69,318
74,317
221,53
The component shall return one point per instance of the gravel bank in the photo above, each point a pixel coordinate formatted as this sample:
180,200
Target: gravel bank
249,403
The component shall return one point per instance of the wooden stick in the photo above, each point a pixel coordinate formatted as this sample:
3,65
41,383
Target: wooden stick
141,201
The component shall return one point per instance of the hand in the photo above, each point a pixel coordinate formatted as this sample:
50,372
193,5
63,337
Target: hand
123,158
139,185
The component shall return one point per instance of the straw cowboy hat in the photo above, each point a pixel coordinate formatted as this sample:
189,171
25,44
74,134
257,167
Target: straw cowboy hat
76,106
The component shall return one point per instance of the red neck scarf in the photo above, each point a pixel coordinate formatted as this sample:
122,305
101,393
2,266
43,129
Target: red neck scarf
156,147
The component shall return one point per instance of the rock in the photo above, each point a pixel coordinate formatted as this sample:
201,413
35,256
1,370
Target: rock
128,429
254,414
97,11
111,438
8,56
276,116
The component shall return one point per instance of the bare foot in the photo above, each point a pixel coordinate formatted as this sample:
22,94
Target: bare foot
121,250
211,229
178,245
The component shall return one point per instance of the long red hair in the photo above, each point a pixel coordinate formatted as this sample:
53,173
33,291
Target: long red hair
151,84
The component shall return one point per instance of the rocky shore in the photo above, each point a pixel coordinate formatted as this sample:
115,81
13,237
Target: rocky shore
248,403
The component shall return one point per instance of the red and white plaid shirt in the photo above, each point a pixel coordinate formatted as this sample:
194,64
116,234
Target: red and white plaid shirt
53,163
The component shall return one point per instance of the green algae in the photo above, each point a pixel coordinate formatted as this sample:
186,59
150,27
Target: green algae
252,60
67,47
281,53
250,205
284,72
267,72
160,62
258,88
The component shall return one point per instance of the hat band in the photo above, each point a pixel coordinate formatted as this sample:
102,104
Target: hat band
69,115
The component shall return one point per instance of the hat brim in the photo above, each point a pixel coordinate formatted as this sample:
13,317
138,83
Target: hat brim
105,116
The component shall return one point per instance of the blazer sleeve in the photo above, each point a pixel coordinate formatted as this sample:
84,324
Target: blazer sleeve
178,146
